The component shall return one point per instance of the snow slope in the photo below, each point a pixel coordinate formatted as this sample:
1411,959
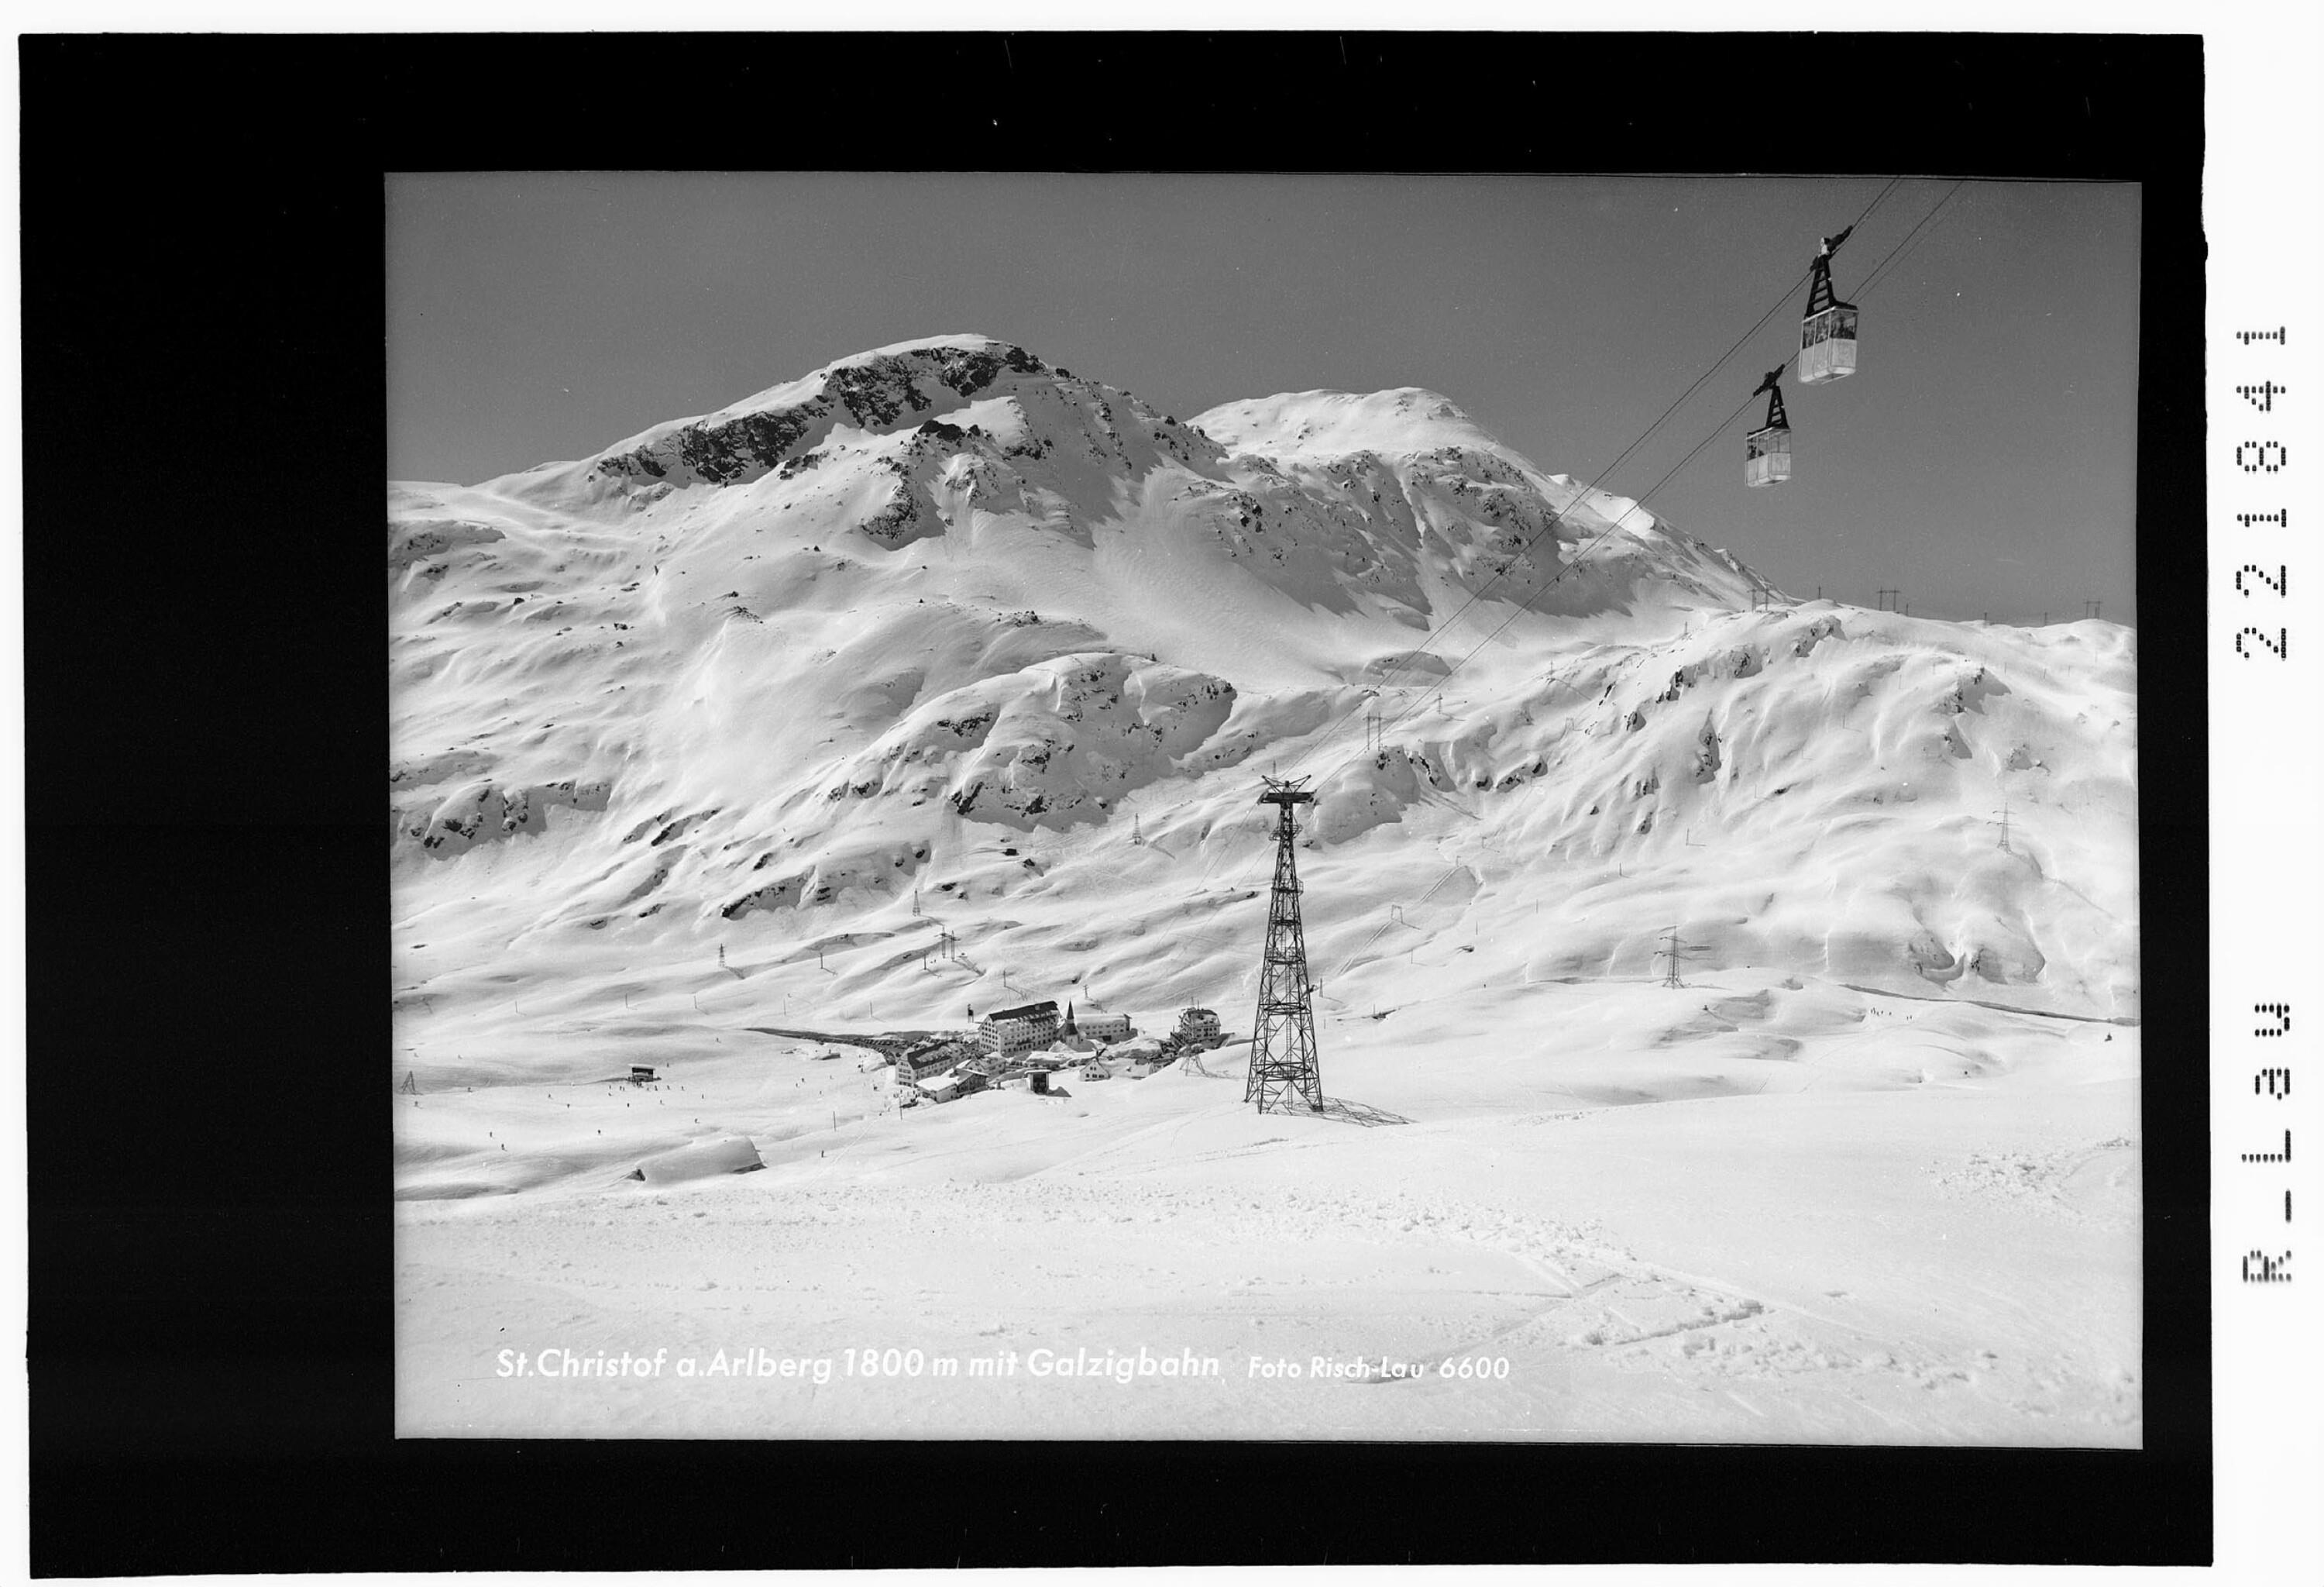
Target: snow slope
722,727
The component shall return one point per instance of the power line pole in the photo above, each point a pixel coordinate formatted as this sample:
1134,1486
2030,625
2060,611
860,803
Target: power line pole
1283,1076
2004,824
2090,608
1671,977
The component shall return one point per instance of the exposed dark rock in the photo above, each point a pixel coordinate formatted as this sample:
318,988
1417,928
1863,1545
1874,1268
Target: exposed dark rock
969,370
774,895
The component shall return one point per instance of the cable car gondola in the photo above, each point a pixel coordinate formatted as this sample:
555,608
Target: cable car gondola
1767,450
1828,330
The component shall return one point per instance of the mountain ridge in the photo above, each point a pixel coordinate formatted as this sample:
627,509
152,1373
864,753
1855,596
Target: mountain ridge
779,666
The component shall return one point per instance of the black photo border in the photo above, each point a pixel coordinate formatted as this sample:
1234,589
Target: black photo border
210,1283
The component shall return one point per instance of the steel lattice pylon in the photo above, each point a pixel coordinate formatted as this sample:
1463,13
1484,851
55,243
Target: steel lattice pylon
1283,1077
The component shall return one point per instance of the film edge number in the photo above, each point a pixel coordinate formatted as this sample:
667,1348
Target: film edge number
2267,457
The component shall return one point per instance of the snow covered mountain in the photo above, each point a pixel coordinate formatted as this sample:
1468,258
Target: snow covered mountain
942,679
942,622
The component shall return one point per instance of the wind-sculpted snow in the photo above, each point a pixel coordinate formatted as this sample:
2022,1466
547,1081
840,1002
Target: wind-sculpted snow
482,812
416,540
1050,746
1374,789
865,631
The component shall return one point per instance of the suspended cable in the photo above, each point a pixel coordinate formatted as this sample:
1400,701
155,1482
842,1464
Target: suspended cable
1788,294
1523,606
1557,514
1581,493
1639,502
1905,247
1602,475
1350,962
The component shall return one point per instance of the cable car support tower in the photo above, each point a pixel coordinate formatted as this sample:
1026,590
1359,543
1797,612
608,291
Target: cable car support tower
1284,1078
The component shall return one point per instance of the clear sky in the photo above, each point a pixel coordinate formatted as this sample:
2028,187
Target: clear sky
1982,460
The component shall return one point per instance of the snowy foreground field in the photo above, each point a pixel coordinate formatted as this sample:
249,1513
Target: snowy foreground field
1920,1226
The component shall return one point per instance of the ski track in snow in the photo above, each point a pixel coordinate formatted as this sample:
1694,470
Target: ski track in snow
1161,1213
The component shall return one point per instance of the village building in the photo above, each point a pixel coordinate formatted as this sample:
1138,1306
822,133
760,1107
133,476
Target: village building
1198,1029
1104,1027
1019,1029
944,1052
1008,1038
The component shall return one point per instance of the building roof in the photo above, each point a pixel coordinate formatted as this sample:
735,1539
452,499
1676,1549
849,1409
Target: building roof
1027,1011
950,1050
